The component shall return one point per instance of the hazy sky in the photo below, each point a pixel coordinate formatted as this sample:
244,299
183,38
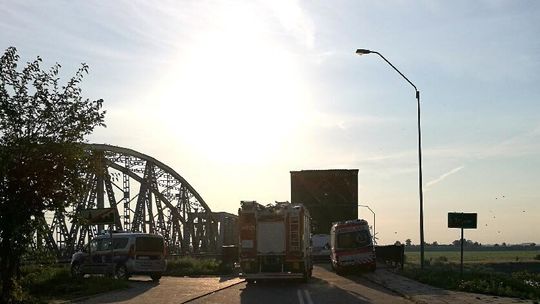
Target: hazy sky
235,94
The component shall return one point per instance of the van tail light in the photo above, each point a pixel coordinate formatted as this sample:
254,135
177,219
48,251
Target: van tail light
131,253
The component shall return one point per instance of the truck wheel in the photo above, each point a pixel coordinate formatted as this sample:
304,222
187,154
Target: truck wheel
306,276
155,277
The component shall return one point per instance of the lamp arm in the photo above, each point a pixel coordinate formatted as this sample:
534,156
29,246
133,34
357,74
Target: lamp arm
415,89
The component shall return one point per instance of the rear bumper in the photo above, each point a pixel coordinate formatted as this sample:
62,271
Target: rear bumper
146,266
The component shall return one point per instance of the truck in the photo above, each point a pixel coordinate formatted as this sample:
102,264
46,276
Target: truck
274,241
330,195
351,246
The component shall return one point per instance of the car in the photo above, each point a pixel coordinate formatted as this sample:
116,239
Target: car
131,253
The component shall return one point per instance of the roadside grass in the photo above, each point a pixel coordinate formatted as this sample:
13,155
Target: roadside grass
41,284
188,266
503,273
477,278
475,256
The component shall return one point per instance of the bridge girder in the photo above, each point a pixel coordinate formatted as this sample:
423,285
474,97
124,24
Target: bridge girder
148,196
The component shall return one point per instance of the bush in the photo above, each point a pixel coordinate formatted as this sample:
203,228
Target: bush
190,266
41,283
537,257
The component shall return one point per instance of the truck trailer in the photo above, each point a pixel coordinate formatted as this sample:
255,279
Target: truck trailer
274,241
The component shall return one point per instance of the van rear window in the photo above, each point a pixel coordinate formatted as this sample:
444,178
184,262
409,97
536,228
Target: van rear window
149,244
354,239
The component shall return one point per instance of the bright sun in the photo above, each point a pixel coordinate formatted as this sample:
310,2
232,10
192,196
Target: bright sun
234,93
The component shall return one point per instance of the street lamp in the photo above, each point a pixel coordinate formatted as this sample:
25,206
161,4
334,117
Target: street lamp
365,52
366,206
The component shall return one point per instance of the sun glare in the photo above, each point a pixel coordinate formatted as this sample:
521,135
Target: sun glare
234,93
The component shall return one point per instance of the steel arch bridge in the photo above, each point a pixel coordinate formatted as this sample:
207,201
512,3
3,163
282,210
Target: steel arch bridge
147,196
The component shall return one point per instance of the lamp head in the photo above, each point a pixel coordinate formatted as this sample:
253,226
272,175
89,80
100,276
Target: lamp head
363,52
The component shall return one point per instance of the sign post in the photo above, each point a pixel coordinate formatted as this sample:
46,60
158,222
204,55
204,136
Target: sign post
463,221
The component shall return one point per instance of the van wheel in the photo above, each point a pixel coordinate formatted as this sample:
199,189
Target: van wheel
155,277
76,271
121,272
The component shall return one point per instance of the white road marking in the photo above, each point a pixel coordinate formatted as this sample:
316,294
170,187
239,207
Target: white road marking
308,296
300,298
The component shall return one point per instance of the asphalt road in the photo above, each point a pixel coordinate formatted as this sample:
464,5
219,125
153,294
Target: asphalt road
324,287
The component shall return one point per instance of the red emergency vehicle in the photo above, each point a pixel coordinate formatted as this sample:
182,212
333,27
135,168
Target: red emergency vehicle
274,241
352,246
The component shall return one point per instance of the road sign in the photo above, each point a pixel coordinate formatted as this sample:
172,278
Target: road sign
462,220
96,216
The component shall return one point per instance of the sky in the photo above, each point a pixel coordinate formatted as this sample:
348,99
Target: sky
233,95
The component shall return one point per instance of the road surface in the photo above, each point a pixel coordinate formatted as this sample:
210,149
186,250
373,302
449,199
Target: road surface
382,286
324,287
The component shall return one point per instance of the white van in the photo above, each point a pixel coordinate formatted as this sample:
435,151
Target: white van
130,253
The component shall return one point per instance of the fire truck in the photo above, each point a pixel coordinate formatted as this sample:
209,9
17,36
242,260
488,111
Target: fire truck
274,241
351,246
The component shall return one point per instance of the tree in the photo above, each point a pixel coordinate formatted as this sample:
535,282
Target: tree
397,243
42,126
435,243
408,242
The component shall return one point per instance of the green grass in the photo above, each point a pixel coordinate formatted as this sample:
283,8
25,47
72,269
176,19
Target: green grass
509,273
478,279
475,256
40,284
188,266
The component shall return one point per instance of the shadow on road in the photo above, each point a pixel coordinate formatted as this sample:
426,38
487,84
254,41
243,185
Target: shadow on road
324,288
138,286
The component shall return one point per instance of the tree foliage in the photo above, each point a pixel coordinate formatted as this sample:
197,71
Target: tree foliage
42,126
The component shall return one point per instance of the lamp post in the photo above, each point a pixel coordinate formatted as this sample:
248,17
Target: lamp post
365,52
366,206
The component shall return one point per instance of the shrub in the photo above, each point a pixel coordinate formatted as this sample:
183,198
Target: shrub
46,282
537,257
190,266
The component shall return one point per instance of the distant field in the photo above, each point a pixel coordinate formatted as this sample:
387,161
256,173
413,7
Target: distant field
475,256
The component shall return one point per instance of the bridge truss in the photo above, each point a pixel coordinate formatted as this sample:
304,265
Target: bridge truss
148,196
